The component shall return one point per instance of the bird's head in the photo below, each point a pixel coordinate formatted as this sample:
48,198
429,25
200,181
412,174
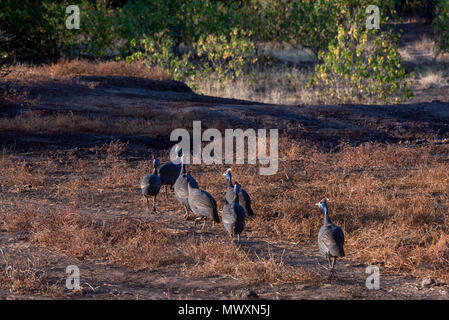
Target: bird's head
237,188
227,174
323,204
155,163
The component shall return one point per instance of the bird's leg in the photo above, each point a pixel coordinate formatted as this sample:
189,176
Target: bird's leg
198,219
204,223
329,260
154,204
148,203
238,239
166,191
332,267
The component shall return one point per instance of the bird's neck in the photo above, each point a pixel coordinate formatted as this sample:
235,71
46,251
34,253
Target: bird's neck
229,178
327,220
190,185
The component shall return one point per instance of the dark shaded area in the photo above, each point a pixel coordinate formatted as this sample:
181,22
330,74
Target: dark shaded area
130,100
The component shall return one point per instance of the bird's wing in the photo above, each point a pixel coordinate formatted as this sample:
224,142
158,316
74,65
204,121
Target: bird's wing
239,211
181,188
230,195
155,180
246,196
214,203
228,215
326,236
201,200
338,235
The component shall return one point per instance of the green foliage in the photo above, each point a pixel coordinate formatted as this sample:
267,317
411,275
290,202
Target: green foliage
441,24
32,35
192,39
360,65
225,56
98,31
158,52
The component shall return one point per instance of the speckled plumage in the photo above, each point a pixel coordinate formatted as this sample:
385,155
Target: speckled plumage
151,184
244,198
169,171
233,215
201,202
182,190
330,238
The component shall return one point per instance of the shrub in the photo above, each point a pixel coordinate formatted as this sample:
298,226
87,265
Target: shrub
224,56
158,52
360,65
441,24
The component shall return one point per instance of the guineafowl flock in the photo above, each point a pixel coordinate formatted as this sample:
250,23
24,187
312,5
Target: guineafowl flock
237,205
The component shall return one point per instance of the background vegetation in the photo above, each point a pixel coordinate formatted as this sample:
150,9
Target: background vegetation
220,40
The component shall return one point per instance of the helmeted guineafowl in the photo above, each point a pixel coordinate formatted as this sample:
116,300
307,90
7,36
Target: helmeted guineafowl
151,184
201,202
169,171
181,188
330,238
233,215
244,198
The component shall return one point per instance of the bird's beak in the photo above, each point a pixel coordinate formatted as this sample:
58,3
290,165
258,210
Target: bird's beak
317,204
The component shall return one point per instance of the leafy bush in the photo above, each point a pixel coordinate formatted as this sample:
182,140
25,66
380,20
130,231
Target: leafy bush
360,65
223,57
32,34
192,39
98,33
158,52
441,24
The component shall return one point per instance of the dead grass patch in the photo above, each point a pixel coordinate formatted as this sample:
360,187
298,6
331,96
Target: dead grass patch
391,201
125,241
28,278
213,258
65,69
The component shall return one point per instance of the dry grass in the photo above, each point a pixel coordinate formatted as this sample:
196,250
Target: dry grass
27,278
217,258
390,200
64,70
125,241
133,121
277,84
431,77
